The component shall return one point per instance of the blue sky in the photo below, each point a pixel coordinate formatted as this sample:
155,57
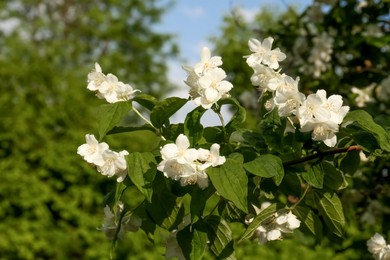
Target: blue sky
194,21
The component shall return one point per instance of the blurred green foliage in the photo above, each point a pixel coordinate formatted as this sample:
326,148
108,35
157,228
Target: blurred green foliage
51,202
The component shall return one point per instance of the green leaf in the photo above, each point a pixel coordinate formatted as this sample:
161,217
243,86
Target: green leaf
142,170
231,182
238,117
262,216
330,208
350,163
193,129
128,129
309,221
366,122
272,130
199,198
333,178
111,115
192,242
213,134
146,100
244,137
165,209
220,237
228,211
267,166
314,175
165,109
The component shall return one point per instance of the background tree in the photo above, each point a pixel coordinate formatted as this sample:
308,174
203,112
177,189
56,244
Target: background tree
50,203
343,47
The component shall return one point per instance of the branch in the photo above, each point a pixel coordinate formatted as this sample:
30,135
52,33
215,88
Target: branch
322,154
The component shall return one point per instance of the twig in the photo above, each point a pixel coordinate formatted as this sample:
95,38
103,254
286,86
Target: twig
322,154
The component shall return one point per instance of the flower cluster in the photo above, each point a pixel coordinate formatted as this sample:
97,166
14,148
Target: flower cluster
377,246
108,86
320,54
277,224
179,162
130,223
207,81
108,163
315,113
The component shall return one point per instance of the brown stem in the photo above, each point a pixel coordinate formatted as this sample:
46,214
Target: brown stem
322,154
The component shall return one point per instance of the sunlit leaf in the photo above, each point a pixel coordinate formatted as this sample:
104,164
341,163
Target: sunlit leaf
142,169
220,237
110,115
231,182
165,109
267,166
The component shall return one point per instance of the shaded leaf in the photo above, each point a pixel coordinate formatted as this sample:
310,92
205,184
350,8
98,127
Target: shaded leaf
199,198
193,129
164,209
333,178
127,129
350,163
366,122
146,100
192,242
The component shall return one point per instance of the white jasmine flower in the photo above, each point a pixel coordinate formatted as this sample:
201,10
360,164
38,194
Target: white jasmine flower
262,53
95,78
211,158
282,83
179,151
92,151
108,86
212,87
288,102
262,75
364,95
273,228
322,131
188,165
383,90
312,108
206,80
171,168
114,164
377,246
207,62
334,104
